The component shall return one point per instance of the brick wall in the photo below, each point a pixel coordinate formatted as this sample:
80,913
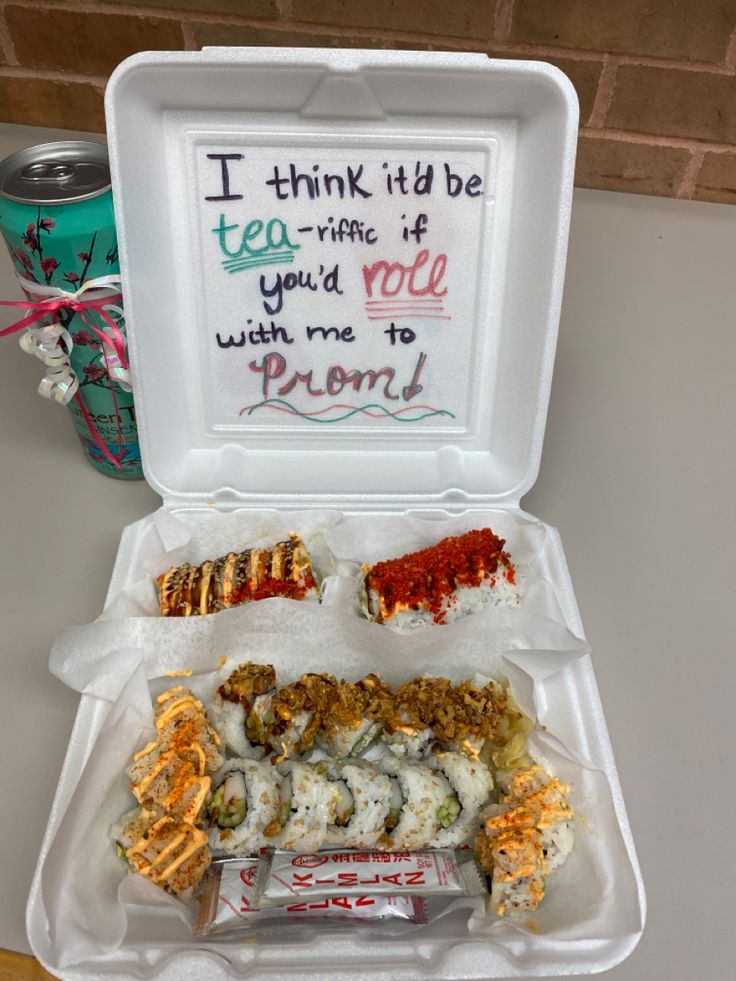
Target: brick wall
656,78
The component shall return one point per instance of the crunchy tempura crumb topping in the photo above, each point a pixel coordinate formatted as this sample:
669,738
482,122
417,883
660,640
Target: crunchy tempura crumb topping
453,712
247,681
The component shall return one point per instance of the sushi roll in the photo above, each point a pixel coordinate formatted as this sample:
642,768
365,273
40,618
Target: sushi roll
244,802
524,839
546,796
181,725
241,705
297,713
417,705
173,854
442,583
285,569
173,783
229,721
132,826
172,771
462,717
424,793
354,721
308,808
363,801
471,786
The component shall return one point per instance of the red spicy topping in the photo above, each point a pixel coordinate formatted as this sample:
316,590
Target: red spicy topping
424,580
270,587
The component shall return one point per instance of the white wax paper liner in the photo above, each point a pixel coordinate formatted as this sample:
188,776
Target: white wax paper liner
321,638
339,544
594,897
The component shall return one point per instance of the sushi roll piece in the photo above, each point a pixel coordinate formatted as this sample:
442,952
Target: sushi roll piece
524,839
354,721
182,726
172,771
285,570
471,786
416,707
244,802
546,796
297,713
173,783
228,719
131,827
308,808
424,793
241,705
173,854
365,798
460,718
351,740
447,581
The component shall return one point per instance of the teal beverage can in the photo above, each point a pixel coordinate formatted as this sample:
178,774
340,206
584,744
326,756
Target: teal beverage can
57,219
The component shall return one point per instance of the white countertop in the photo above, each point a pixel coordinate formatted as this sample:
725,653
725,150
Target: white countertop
638,463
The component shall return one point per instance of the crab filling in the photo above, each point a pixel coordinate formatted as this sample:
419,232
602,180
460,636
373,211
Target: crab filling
229,806
344,803
285,793
396,803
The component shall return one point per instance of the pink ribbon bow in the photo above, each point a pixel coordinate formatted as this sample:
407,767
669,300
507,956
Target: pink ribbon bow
39,309
43,308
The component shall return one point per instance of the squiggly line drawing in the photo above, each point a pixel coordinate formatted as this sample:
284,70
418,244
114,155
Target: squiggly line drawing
254,262
280,405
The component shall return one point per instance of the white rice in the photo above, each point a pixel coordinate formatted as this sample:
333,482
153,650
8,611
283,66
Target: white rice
228,719
558,842
343,741
464,600
424,791
262,798
472,783
286,743
371,792
313,808
405,746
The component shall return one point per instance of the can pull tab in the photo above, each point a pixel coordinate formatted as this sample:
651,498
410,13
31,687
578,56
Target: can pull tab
49,170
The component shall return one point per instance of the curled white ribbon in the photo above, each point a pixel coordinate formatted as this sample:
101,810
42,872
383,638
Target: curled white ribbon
60,383
109,283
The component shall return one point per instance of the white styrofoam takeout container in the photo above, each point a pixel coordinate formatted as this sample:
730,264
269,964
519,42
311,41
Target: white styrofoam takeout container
239,409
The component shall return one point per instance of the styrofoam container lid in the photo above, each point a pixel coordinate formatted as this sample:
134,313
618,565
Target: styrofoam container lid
342,271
